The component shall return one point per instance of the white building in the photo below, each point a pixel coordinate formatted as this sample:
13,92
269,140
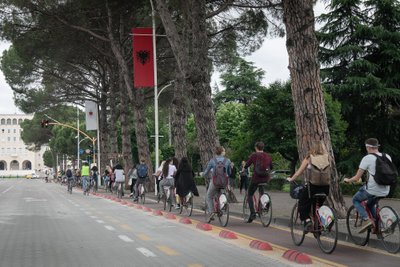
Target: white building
15,159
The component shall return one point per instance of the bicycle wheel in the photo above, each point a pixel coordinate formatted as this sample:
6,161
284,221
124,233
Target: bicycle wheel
353,223
143,198
223,214
164,199
246,209
265,213
206,213
296,227
328,235
389,229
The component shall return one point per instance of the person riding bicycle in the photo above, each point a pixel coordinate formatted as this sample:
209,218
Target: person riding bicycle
168,173
141,172
85,173
371,189
94,176
262,164
70,176
317,155
213,188
119,177
184,180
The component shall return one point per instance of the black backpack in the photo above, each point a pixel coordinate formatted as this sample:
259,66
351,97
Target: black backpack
69,173
386,172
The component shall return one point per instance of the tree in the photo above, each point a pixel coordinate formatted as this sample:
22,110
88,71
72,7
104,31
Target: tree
309,108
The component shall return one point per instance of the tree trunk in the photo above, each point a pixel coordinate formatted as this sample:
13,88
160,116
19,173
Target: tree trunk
104,133
308,100
194,68
179,118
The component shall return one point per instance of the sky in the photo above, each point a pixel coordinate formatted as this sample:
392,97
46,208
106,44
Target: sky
271,57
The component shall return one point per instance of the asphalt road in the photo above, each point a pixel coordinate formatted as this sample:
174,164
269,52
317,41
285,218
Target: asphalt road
42,225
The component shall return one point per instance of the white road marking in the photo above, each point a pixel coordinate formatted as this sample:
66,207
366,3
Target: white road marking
8,189
88,212
93,217
109,227
76,205
99,221
146,252
125,238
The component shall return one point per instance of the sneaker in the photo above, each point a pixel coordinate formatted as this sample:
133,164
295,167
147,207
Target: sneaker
178,206
365,225
131,195
307,225
251,217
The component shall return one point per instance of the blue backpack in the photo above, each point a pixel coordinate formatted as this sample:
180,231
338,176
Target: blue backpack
142,171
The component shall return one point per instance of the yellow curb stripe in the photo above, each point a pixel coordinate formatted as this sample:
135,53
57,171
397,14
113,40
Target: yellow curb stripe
167,250
143,237
126,227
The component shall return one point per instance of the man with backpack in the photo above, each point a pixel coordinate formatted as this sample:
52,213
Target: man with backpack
221,170
381,173
141,172
262,163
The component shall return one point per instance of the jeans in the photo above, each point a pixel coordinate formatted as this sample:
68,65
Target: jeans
85,183
138,182
359,197
167,182
250,193
211,192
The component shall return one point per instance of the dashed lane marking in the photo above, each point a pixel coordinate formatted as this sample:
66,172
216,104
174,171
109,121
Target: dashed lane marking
109,227
146,252
167,250
125,238
99,221
93,217
8,189
143,237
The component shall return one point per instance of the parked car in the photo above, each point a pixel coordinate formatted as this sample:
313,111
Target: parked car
32,176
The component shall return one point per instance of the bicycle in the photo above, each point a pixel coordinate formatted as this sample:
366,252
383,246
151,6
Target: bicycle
93,185
187,204
86,186
167,198
386,226
221,208
142,193
324,224
262,206
70,185
119,189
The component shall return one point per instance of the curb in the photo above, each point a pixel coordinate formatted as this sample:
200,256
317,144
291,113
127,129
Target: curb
228,234
298,257
146,209
157,212
260,245
170,216
204,226
185,221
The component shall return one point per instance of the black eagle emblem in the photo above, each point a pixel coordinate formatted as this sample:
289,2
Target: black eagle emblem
143,56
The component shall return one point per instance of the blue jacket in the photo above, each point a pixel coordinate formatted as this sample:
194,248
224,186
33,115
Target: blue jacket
212,164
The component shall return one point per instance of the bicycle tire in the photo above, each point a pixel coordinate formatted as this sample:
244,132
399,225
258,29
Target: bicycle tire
390,233
328,235
265,213
165,201
143,198
206,213
296,226
353,223
190,206
223,215
246,209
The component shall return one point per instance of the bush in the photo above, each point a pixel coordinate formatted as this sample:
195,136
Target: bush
199,180
276,184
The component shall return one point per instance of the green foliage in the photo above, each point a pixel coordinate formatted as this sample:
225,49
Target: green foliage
48,159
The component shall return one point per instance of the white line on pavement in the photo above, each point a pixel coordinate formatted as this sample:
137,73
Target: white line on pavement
109,227
93,217
88,212
125,238
146,252
99,221
8,189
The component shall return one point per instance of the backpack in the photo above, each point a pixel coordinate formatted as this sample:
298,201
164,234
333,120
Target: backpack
69,173
319,172
261,168
142,171
386,172
220,176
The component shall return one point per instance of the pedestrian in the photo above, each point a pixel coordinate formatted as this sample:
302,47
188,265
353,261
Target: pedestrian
243,177
262,163
218,164
184,180
371,189
317,156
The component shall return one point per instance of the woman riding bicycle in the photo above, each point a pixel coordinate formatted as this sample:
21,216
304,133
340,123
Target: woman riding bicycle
317,156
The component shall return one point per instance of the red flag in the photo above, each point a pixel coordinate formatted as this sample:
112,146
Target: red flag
143,57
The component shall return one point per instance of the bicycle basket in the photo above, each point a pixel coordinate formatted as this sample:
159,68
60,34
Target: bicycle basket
296,190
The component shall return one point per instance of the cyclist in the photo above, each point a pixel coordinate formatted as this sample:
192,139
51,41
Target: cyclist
85,172
319,156
262,163
168,173
371,190
184,179
141,175
70,177
212,188
94,176
119,177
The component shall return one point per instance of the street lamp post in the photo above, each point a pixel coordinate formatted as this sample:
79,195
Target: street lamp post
79,154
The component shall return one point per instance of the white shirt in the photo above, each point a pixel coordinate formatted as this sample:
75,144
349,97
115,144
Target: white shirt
171,171
119,175
368,163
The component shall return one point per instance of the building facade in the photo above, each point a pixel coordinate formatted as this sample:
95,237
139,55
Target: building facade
15,158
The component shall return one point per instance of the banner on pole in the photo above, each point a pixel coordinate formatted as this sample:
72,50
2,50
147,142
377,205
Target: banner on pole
91,115
143,57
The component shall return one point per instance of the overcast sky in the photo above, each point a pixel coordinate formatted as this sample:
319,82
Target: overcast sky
271,57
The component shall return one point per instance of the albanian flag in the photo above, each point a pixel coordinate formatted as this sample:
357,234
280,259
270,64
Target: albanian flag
143,57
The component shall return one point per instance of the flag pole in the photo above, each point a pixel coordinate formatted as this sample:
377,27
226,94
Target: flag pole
157,160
